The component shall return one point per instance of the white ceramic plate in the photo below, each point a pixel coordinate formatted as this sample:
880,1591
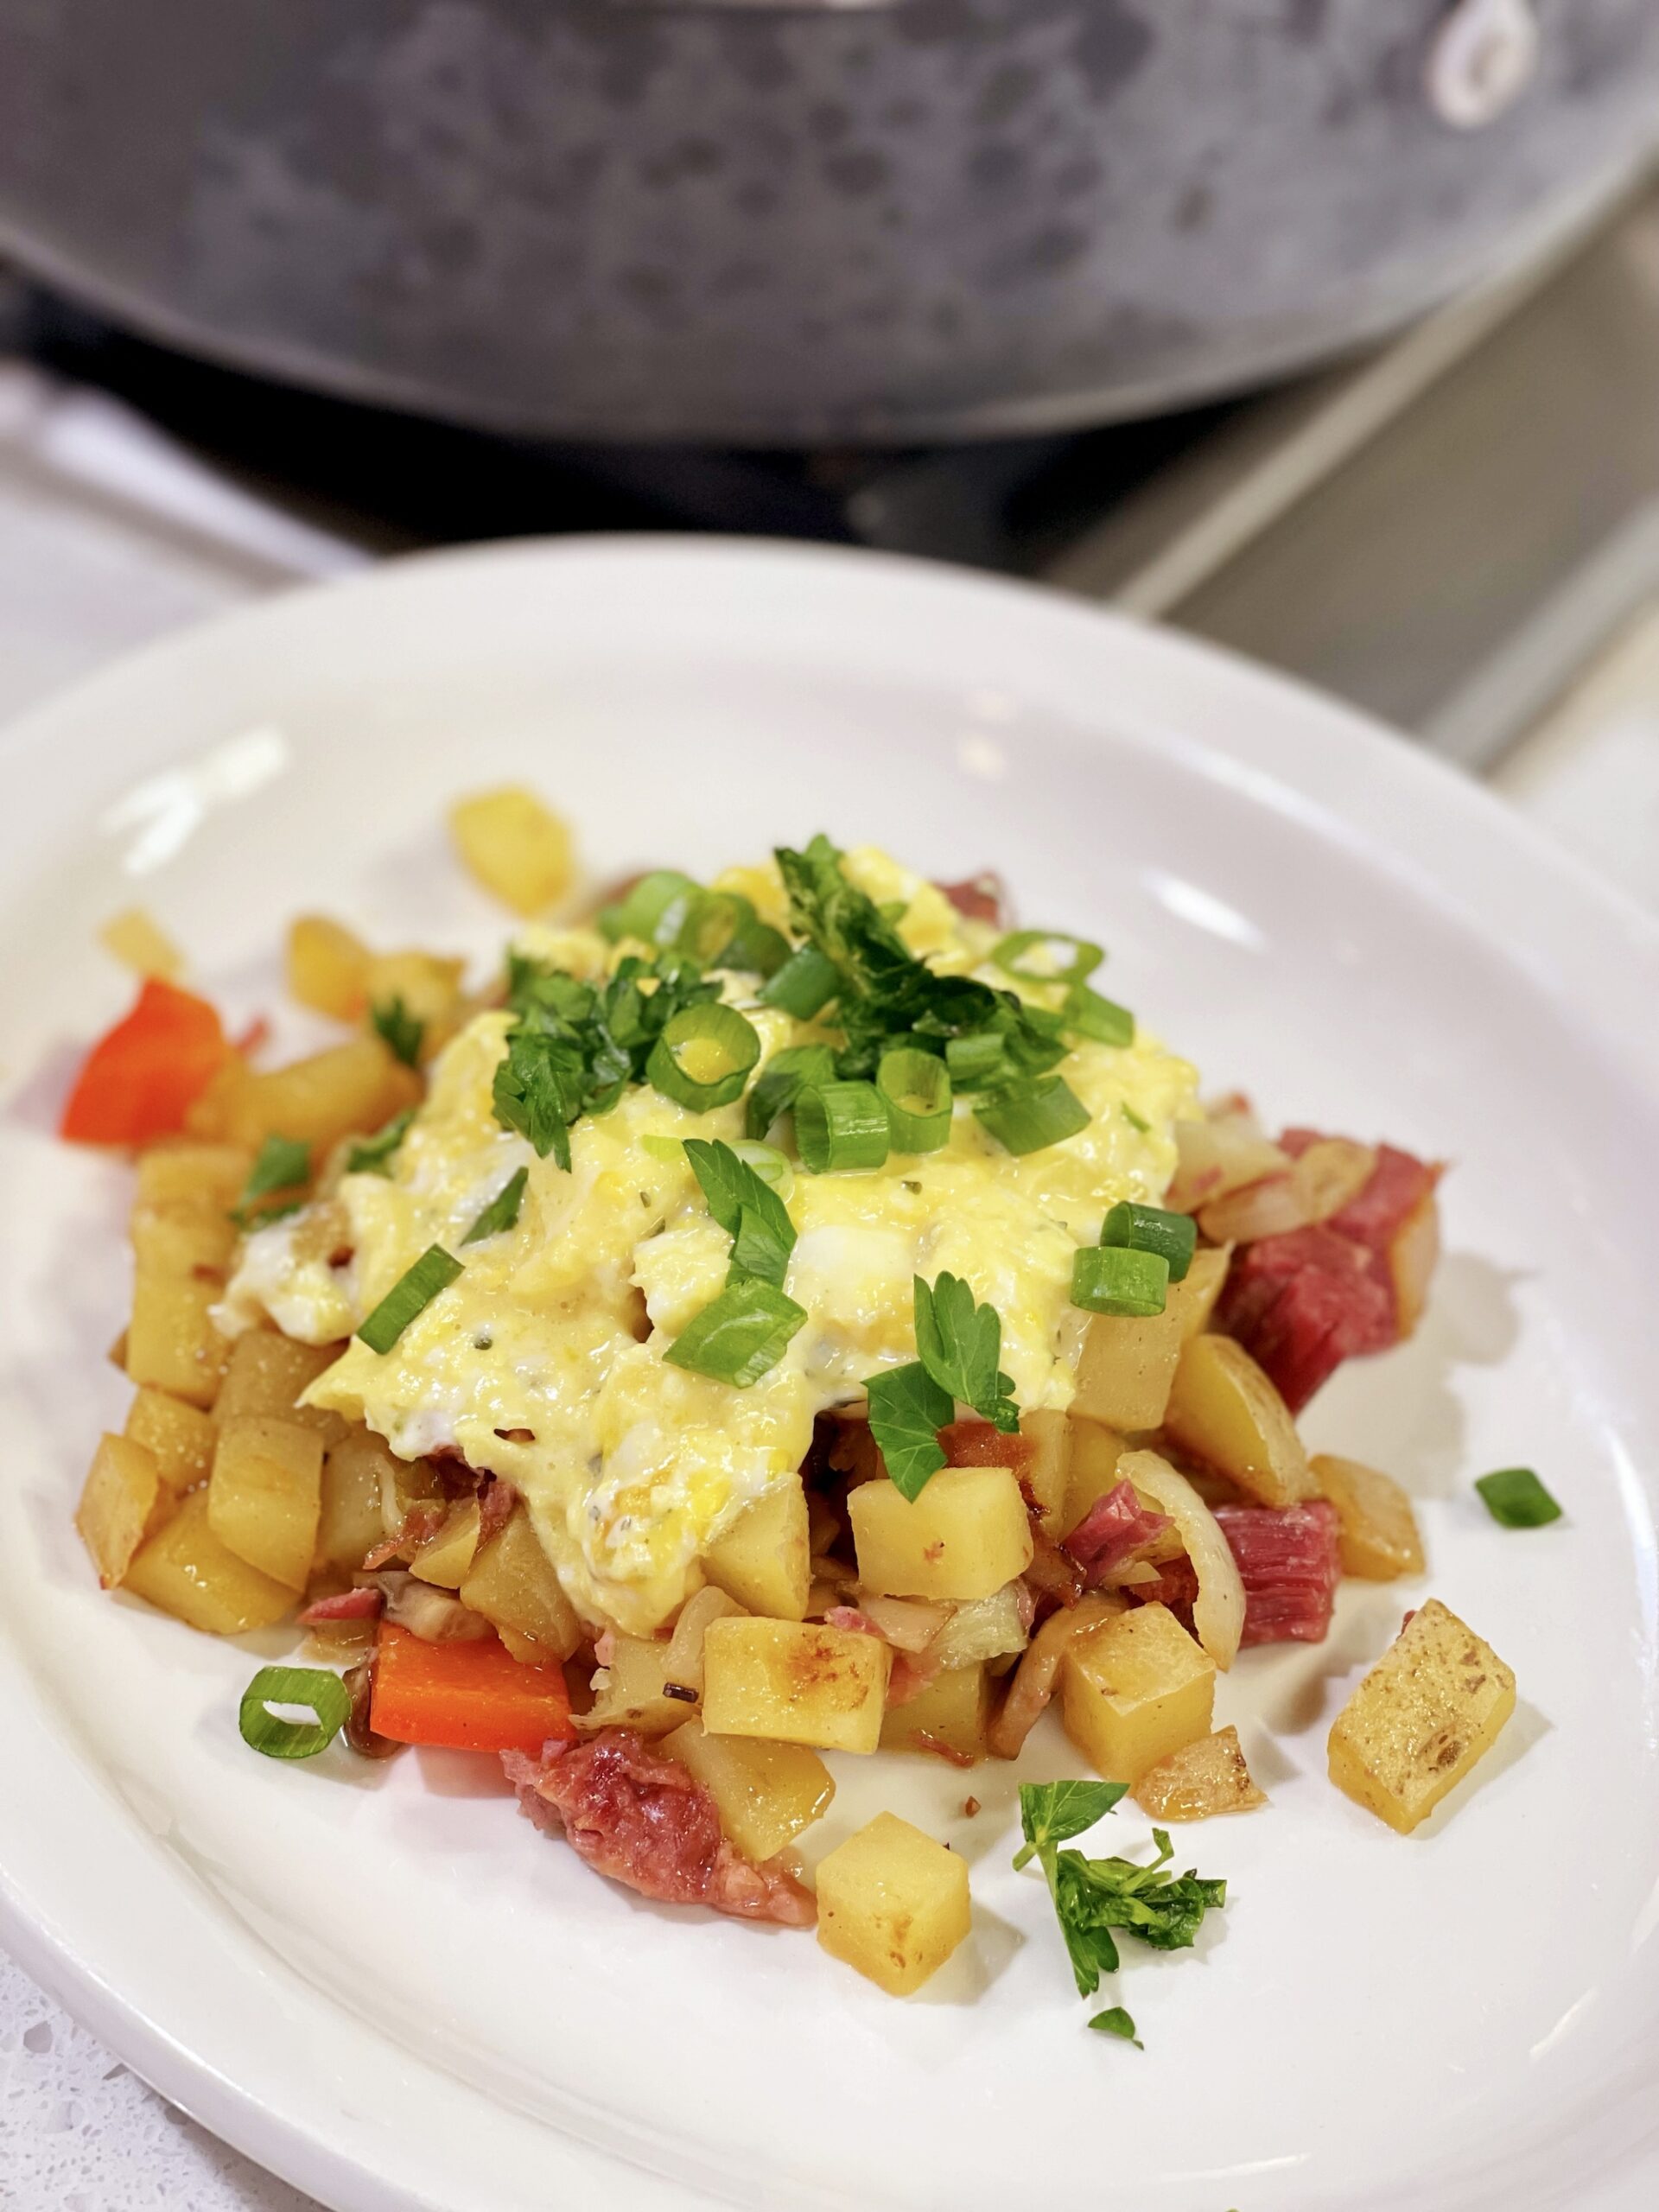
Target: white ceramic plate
387,1987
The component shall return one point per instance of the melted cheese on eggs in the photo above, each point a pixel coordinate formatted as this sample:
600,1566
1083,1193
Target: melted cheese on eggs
557,1327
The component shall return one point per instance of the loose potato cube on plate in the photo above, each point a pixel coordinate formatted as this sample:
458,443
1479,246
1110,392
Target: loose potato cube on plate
515,846
181,1236
1379,1536
327,966
265,1375
117,1504
766,1794
446,1558
349,1089
1200,1780
1224,1411
180,1438
893,1903
1133,1690
350,1520
633,1689
764,1559
952,1715
512,1582
186,1570
794,1683
965,1536
199,1174
265,1496
171,1344
1432,1705
138,940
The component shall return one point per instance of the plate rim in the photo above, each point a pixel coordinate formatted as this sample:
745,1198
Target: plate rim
1176,671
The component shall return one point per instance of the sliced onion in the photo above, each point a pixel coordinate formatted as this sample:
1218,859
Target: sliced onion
982,1628
1218,1609
684,1662
907,1623
1217,1157
1033,1680
435,1616
1316,1185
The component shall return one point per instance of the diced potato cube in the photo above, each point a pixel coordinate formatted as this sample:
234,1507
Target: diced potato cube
1135,1689
764,1559
950,1715
181,1236
171,1344
634,1689
794,1683
1046,1475
350,1088
967,1535
117,1504
1091,1471
1379,1528
446,1558
265,1496
1202,1779
327,966
515,846
1128,1367
265,1376
186,1570
1432,1705
892,1904
766,1794
198,1174
1224,1411
138,940
350,1522
180,1438
512,1582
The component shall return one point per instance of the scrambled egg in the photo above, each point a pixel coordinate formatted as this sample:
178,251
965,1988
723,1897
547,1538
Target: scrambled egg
544,1360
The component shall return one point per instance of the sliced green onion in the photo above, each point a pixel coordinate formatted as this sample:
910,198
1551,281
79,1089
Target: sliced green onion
1012,949
804,984
787,1073
713,920
768,1163
654,910
842,1126
1516,1499
710,1033
312,1688
1116,1279
502,1211
915,1087
978,1061
398,1030
410,1294
1150,1229
742,1335
373,1155
757,949
1135,1121
1038,1113
666,1148
1101,1019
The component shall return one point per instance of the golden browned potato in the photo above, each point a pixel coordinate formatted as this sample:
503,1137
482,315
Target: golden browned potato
766,1794
171,1344
265,1378
893,1903
1092,1473
1432,1705
351,1519
180,1438
512,1582
349,1089
637,1688
446,1559
794,1683
265,1496
953,1713
765,1559
1128,1366
1133,1690
1379,1529
179,1171
515,846
328,966
1200,1780
117,1504
185,1570
176,1236
1224,1411
1046,1476
967,1535
138,940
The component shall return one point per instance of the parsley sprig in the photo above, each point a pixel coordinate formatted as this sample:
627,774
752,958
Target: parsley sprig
283,1168
1093,1896
959,1346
